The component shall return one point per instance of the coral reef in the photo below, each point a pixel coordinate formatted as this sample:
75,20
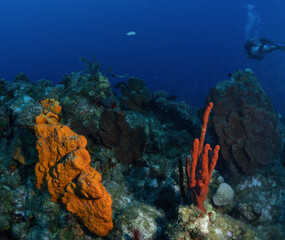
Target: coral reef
4,121
244,122
140,218
134,94
136,153
215,227
177,115
64,166
115,131
16,120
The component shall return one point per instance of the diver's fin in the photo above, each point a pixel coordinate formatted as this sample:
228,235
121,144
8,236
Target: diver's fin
280,45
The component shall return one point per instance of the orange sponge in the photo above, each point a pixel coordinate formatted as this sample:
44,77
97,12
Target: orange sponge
64,168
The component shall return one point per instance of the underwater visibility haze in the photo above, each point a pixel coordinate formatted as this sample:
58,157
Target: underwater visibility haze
178,46
141,120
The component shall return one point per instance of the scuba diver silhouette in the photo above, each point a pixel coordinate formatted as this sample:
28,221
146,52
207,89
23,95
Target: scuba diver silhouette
256,47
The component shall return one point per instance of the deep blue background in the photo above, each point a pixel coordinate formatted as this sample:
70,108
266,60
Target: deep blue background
184,47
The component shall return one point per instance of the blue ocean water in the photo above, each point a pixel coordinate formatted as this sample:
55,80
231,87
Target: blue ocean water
184,47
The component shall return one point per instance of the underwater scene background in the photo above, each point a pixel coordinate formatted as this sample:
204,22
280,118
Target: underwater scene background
177,46
140,120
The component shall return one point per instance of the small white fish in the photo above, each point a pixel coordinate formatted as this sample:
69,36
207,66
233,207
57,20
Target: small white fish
131,33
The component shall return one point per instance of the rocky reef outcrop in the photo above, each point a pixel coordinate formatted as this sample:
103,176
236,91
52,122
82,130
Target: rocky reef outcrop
134,94
245,122
115,132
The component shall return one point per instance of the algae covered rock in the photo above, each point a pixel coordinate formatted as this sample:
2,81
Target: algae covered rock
211,226
176,115
134,94
140,218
